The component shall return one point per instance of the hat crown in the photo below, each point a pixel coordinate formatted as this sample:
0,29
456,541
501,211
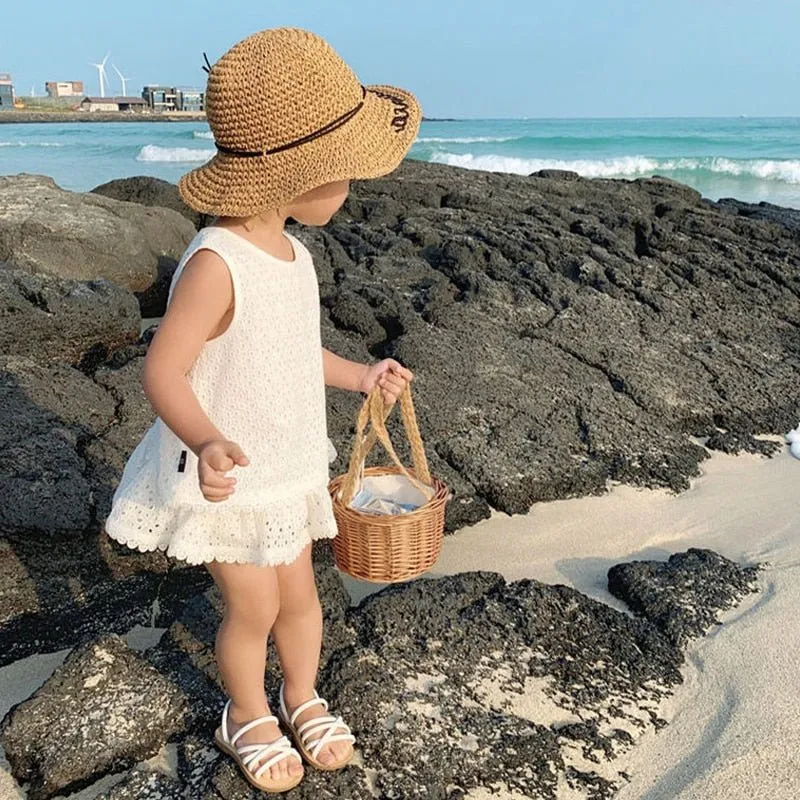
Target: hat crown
277,86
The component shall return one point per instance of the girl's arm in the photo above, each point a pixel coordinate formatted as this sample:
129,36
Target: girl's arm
355,377
199,308
200,299
341,373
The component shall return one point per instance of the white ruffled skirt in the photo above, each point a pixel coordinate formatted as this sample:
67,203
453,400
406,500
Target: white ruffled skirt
273,533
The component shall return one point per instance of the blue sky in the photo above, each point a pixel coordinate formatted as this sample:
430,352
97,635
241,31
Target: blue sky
504,58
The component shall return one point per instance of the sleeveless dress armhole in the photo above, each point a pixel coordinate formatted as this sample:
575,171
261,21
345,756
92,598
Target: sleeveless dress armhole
282,501
205,242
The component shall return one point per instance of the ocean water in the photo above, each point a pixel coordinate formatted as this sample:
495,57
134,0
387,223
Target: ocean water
751,159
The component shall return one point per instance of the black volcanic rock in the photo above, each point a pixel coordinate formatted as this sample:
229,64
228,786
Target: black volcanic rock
145,785
475,682
435,674
149,191
102,711
64,438
49,412
556,174
788,218
683,596
58,591
564,332
75,322
84,236
621,317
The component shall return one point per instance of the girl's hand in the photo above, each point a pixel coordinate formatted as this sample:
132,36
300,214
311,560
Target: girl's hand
390,375
213,461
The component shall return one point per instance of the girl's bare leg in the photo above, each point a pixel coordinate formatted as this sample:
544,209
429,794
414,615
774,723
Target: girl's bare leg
251,607
297,632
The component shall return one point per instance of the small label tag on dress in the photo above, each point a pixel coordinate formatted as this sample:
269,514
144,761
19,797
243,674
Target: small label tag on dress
182,462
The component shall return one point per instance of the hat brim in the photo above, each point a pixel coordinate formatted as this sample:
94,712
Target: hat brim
370,145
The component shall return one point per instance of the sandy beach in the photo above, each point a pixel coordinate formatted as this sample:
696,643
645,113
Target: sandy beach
733,723
732,731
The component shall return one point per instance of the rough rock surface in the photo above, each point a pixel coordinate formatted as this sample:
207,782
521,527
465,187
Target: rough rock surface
44,229
50,412
63,440
75,322
57,591
151,192
145,785
786,217
459,683
102,711
683,596
564,331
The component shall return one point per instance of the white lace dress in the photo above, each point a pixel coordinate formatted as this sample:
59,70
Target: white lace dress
262,385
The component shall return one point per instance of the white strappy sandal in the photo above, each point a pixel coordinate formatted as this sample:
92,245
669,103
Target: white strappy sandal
315,733
247,754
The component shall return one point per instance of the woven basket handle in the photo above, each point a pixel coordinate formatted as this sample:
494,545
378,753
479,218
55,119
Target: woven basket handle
375,411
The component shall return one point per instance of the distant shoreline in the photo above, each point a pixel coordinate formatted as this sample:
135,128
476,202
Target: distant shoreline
94,116
115,116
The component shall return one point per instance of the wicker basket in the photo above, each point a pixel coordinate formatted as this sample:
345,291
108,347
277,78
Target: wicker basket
391,548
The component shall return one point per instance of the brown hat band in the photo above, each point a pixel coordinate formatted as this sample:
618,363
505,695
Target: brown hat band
325,129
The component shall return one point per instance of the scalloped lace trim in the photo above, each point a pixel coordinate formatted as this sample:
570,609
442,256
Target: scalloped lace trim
265,536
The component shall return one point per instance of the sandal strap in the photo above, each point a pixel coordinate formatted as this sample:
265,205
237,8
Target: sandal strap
315,722
284,750
246,727
314,701
252,724
259,748
326,725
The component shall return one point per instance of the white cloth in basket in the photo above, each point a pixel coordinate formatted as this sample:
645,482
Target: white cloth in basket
389,494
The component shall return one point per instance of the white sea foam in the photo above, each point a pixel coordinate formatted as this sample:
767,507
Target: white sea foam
31,144
464,139
152,152
787,171
621,166
203,135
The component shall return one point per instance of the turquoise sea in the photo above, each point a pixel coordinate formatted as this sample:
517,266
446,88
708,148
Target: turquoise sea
751,159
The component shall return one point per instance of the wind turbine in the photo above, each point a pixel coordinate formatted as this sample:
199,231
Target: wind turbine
123,79
101,73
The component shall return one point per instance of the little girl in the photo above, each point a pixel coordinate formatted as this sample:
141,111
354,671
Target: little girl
233,474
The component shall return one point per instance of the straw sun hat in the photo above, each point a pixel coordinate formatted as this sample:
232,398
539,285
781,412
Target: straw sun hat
288,115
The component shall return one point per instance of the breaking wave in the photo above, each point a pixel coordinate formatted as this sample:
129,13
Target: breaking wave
466,139
31,144
785,171
152,152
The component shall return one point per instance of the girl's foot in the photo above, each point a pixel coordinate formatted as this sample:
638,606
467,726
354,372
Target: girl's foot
264,754
325,741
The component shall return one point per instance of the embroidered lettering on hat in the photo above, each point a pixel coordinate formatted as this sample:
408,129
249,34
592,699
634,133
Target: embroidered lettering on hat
401,110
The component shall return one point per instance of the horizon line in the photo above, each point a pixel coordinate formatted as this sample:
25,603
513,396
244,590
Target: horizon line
435,118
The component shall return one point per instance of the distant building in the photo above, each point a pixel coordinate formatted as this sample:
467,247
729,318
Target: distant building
64,88
6,92
161,98
191,100
113,104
